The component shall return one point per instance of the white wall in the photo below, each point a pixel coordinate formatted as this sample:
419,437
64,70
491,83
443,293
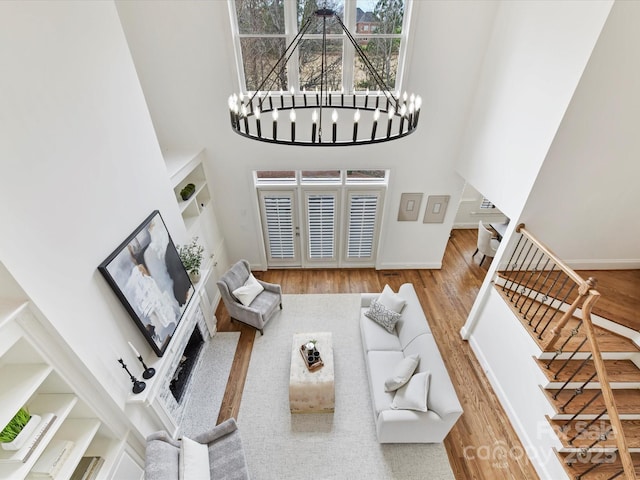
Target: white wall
81,168
537,53
469,213
183,55
505,350
592,168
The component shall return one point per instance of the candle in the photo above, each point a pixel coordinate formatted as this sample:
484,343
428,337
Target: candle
356,117
270,102
281,99
275,123
304,96
403,113
376,115
259,127
134,350
366,98
293,97
391,114
314,118
246,120
292,117
334,117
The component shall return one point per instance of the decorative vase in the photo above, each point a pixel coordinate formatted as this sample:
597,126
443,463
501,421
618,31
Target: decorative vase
24,435
194,276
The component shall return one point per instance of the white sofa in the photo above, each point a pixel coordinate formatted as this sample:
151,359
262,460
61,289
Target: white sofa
383,351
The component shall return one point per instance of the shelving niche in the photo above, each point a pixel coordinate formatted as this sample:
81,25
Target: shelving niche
29,378
184,168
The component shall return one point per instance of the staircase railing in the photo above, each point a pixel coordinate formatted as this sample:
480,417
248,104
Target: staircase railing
547,294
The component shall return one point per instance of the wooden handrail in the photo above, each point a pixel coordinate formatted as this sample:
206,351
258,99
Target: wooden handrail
591,296
607,393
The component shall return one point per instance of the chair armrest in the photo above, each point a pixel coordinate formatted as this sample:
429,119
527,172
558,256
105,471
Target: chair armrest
225,428
163,436
271,287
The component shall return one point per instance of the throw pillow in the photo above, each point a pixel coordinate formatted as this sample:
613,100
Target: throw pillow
249,291
194,461
391,300
413,395
382,315
402,373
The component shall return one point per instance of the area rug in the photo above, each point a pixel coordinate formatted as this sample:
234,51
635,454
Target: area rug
315,446
209,382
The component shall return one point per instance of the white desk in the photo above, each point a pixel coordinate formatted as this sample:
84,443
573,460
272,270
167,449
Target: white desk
500,228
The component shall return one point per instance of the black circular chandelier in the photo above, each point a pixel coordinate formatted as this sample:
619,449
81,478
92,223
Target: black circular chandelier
323,117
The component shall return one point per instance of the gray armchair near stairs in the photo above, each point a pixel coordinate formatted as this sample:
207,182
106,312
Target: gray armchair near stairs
261,309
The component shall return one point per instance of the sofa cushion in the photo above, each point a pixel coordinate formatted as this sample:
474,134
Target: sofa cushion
381,365
442,397
249,291
383,316
413,322
376,337
413,395
194,461
391,300
402,373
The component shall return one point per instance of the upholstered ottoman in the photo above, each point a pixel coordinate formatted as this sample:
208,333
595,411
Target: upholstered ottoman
312,391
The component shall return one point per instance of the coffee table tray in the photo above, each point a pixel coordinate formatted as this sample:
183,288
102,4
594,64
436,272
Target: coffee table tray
312,366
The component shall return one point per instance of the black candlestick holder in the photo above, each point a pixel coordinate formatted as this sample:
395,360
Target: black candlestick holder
148,371
138,386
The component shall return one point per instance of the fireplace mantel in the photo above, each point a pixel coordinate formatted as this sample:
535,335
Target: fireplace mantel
155,408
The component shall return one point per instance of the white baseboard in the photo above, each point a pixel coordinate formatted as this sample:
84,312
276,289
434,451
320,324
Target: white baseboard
409,266
612,264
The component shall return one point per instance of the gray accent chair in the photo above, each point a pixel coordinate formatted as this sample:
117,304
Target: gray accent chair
260,311
226,454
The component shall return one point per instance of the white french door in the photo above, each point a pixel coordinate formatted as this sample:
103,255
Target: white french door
363,217
325,235
280,227
321,227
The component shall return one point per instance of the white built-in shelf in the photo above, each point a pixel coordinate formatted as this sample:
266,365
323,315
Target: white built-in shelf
19,383
183,168
28,379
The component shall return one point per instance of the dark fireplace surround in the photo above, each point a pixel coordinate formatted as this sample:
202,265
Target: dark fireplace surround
180,379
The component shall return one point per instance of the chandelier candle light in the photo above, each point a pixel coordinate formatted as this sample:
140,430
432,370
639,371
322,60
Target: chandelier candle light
306,108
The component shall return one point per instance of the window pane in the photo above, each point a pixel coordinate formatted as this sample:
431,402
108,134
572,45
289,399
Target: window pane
259,55
366,175
383,55
267,176
306,8
311,62
381,16
260,16
321,176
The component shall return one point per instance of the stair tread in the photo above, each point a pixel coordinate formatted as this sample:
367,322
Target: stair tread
607,340
619,371
627,400
631,429
603,472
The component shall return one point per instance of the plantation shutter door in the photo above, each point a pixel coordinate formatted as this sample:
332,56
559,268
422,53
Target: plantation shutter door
362,227
278,221
321,226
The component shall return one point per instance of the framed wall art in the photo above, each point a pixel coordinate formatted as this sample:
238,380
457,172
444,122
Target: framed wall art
147,276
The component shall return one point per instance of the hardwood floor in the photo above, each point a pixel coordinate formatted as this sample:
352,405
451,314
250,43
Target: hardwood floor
446,296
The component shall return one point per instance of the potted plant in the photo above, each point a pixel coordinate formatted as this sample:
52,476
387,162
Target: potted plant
191,256
187,191
18,430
